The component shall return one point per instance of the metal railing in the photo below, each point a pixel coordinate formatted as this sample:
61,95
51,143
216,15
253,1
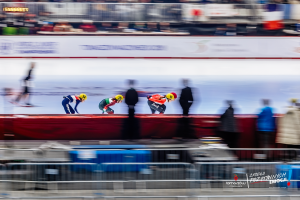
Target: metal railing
149,180
143,176
51,176
118,176
211,154
265,154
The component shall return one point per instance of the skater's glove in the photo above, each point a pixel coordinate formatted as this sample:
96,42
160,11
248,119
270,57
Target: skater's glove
148,97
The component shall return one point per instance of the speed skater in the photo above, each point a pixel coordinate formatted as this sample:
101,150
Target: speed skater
105,104
26,89
157,102
73,99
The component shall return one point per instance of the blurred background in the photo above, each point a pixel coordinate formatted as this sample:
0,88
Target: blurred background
222,18
150,99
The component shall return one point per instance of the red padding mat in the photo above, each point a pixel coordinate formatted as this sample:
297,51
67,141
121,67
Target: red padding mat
109,127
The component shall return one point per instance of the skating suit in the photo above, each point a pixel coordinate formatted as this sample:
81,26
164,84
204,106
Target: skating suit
66,104
105,105
156,103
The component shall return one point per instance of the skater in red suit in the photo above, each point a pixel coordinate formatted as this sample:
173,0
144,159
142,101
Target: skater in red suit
157,102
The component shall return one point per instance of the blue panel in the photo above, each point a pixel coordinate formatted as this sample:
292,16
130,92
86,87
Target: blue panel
109,147
114,156
295,169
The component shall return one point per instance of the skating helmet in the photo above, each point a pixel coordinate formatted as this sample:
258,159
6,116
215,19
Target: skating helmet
83,96
119,97
174,94
170,96
294,100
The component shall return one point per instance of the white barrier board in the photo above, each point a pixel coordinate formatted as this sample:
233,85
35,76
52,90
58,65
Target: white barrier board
150,46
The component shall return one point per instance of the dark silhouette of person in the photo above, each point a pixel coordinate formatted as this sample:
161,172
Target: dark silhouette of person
131,124
186,100
8,123
26,91
131,98
228,126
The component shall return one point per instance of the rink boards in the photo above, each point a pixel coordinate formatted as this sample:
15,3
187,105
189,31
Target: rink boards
106,127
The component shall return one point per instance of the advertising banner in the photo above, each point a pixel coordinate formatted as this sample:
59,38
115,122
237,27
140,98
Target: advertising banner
149,46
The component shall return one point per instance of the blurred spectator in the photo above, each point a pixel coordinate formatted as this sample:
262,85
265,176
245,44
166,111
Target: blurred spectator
265,125
88,26
131,97
186,98
63,26
152,27
165,27
298,26
123,27
220,31
273,17
30,17
289,127
229,30
228,127
139,26
106,27
131,124
47,26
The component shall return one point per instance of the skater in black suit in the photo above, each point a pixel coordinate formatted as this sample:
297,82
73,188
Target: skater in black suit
26,89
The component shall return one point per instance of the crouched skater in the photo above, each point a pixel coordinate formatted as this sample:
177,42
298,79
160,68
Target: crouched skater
157,102
73,99
105,104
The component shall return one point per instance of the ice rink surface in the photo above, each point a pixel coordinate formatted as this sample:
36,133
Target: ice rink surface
246,81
